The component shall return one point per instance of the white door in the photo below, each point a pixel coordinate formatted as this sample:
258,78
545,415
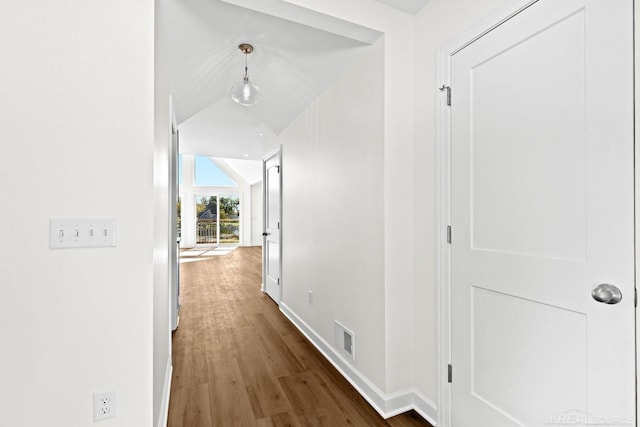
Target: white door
542,213
271,247
174,240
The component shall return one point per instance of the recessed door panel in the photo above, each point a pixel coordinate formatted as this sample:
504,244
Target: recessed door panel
532,201
508,355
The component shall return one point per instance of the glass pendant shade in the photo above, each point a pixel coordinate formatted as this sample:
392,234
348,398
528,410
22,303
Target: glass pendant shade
245,93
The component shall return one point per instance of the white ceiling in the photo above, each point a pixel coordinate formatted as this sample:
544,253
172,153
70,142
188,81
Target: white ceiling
409,6
249,170
292,64
298,54
223,129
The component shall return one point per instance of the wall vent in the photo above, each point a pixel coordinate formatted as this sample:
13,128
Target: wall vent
345,341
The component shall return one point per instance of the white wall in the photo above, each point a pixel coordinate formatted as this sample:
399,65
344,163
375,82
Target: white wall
437,23
333,212
256,214
163,269
77,129
397,195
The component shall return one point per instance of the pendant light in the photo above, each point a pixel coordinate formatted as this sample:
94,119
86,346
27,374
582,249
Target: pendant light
244,92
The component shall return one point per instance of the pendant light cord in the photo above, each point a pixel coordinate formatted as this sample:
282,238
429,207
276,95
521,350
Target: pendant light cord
246,69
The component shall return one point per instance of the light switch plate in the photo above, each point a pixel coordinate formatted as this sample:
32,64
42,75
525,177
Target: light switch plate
82,232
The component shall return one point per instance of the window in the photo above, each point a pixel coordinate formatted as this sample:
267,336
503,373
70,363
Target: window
209,174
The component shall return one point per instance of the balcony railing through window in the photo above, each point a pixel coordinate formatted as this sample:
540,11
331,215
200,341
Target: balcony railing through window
206,232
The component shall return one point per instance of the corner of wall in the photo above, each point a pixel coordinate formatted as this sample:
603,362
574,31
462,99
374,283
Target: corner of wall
163,412
387,405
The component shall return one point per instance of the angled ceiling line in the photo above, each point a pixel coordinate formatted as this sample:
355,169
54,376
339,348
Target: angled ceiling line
294,64
320,21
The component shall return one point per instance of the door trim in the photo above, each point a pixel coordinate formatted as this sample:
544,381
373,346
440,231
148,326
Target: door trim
174,195
443,195
277,152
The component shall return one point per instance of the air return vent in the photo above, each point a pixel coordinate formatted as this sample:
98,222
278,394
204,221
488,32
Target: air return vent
345,340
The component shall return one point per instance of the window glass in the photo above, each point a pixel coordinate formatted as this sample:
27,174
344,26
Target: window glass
208,173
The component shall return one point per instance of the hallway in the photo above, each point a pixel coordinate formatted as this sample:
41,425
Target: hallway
238,361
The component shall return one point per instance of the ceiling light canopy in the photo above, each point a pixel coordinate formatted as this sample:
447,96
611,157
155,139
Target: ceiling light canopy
244,92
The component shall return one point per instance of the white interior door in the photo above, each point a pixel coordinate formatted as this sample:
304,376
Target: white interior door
271,247
174,241
542,212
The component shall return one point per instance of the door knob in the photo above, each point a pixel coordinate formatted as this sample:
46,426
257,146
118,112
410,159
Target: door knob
607,294
265,234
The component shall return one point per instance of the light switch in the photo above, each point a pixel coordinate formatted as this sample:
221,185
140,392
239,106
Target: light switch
82,232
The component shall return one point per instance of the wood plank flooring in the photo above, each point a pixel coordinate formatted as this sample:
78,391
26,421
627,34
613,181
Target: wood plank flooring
237,361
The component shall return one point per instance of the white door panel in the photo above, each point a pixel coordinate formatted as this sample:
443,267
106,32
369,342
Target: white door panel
541,213
271,247
513,215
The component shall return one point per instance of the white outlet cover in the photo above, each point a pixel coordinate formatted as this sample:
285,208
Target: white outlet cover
104,404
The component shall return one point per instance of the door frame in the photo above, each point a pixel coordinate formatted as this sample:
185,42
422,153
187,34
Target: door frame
174,243
277,152
443,196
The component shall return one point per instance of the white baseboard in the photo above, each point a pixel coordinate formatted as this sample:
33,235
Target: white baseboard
166,393
425,407
406,400
387,405
398,403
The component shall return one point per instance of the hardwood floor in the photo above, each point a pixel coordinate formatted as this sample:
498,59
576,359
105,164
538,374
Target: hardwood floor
237,361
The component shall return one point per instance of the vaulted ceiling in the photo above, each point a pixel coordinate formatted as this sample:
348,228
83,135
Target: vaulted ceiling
293,62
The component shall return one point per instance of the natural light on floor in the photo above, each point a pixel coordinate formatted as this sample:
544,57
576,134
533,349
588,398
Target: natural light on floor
201,254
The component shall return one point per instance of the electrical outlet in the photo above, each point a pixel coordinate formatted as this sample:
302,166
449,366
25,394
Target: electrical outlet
104,404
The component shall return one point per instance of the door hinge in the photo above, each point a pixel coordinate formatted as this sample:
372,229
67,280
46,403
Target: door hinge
278,168
635,297
278,225
448,90
278,281
449,373
449,234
